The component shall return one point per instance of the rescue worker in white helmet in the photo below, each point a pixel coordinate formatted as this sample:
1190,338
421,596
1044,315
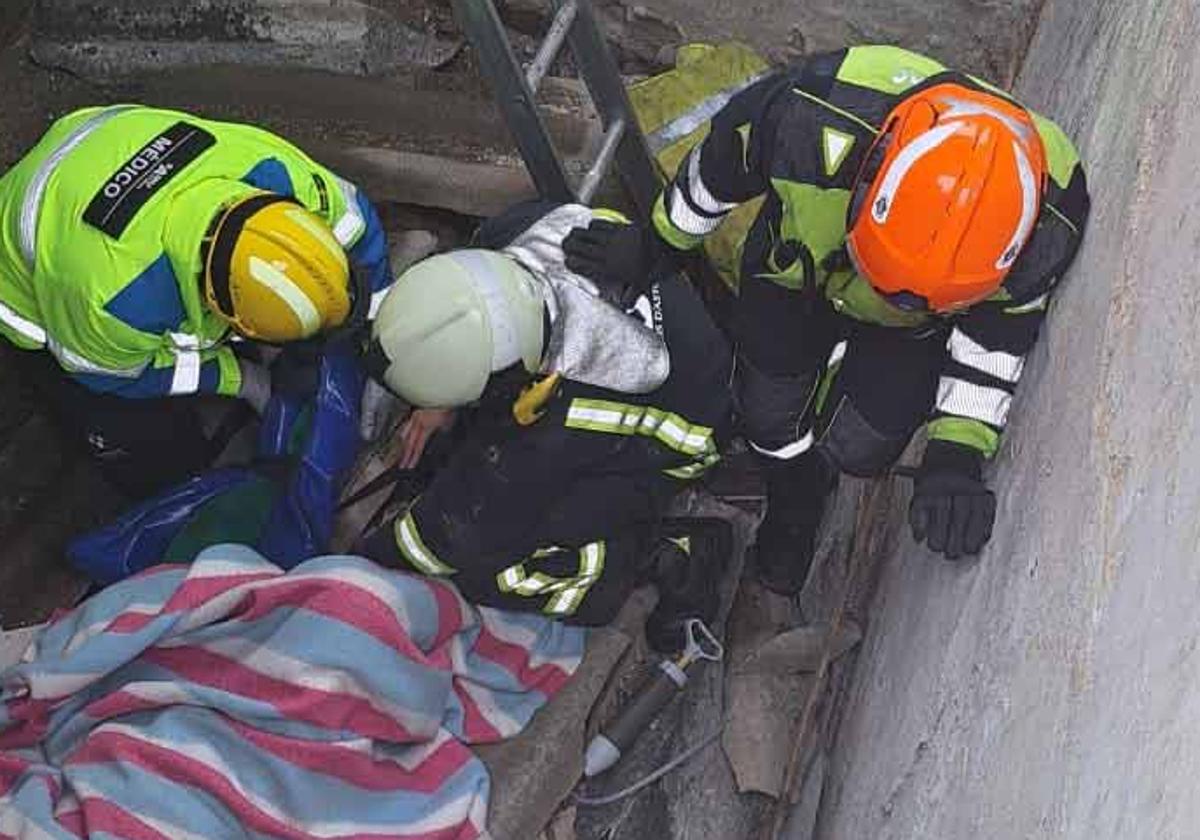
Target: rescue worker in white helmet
590,410
137,243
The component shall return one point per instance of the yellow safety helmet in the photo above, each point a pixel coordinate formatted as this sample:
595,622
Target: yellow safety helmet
274,270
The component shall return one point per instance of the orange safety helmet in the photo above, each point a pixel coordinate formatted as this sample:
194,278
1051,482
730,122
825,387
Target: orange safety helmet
947,198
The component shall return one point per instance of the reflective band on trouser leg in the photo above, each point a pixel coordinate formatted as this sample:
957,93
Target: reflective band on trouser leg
31,207
565,594
785,453
591,565
408,540
351,224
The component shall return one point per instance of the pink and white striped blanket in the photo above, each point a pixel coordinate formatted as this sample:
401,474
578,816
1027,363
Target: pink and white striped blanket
229,699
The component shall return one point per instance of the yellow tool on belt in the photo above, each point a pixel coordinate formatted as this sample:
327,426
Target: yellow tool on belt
530,406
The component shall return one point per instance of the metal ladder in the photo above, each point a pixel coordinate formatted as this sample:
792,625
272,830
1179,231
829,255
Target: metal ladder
516,89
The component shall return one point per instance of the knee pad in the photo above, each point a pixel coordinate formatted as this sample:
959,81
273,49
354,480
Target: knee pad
855,446
774,411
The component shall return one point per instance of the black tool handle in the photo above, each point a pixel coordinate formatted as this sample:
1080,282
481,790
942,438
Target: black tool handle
632,720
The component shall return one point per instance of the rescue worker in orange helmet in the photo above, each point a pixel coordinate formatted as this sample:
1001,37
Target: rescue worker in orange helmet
137,243
914,224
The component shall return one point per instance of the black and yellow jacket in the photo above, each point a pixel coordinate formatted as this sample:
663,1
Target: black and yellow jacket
792,141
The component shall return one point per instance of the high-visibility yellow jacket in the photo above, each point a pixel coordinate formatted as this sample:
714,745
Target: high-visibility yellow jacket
101,226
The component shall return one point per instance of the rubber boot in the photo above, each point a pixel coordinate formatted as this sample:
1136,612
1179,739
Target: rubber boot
797,494
688,566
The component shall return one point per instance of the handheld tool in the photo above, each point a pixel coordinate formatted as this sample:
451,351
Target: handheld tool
668,679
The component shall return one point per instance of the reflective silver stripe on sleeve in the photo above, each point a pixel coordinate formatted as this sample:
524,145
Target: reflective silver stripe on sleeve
966,399
31,207
701,196
75,363
186,379
187,347
22,326
351,225
687,220
967,351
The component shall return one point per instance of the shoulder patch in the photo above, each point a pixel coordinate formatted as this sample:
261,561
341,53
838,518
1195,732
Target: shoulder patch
836,146
127,190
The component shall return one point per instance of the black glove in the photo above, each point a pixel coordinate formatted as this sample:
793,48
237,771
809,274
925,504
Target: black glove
619,258
952,509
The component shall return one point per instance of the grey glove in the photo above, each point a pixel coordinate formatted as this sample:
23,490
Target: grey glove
379,407
256,385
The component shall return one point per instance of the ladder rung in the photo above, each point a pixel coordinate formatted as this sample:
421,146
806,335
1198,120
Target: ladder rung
608,150
550,47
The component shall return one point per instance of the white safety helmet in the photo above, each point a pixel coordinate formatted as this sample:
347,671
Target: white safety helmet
453,320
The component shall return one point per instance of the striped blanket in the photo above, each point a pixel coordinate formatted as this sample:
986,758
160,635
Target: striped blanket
229,699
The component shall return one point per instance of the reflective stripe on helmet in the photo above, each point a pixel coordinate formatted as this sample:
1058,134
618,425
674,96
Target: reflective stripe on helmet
482,275
287,291
881,207
31,206
1029,208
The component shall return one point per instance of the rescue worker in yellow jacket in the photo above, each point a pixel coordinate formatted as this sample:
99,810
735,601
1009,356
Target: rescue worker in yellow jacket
913,224
137,244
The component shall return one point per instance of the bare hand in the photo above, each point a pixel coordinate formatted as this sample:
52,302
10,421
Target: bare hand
420,426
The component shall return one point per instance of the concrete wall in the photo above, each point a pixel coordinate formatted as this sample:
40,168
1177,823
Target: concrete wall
1052,689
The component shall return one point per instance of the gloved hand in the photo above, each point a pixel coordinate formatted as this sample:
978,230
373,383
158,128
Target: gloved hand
256,385
617,257
952,509
379,405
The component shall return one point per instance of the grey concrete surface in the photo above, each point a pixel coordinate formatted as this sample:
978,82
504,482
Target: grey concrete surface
1052,689
107,38
100,38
